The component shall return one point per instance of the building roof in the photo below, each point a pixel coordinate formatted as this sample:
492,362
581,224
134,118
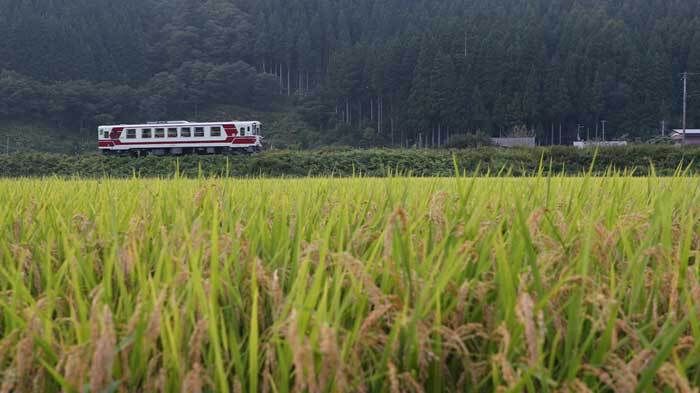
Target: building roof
689,131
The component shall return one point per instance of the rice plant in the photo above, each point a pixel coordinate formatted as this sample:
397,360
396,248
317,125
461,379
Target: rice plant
537,284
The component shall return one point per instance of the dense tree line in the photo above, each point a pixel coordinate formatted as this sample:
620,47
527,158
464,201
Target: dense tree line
365,72
82,103
427,69
85,62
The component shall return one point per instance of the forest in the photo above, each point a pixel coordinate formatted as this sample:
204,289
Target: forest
359,72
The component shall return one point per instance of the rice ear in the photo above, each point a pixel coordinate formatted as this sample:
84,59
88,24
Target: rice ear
75,368
9,381
153,329
194,382
25,360
525,312
671,377
104,354
394,384
197,341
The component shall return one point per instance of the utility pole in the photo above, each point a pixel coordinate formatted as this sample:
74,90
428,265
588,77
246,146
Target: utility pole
552,140
578,131
685,102
663,127
560,133
596,130
604,123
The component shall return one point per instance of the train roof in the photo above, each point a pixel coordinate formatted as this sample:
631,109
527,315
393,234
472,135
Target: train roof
179,123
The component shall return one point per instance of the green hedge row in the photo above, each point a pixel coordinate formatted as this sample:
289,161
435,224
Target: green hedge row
517,162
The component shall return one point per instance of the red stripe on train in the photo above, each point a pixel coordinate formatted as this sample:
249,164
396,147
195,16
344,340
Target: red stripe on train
244,141
229,140
233,140
230,129
116,133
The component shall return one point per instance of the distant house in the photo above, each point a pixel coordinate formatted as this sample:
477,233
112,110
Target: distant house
585,144
692,137
514,142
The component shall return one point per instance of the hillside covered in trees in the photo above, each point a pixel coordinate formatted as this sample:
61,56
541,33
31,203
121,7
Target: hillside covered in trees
359,72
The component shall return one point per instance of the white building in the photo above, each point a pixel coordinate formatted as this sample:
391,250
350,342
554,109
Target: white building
692,137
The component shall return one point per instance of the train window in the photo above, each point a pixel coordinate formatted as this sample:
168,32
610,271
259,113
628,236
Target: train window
106,134
131,133
160,133
242,133
199,132
172,132
146,133
216,131
185,132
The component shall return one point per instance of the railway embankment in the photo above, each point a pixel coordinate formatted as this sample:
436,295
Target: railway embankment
640,160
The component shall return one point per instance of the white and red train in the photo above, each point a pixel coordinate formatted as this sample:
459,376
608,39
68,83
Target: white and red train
181,137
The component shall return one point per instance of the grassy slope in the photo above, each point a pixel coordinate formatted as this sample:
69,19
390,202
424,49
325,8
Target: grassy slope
378,162
36,136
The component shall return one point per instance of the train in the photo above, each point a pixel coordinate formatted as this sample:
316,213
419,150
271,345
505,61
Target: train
181,137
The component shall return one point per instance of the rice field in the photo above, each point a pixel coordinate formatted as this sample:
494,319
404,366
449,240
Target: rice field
537,284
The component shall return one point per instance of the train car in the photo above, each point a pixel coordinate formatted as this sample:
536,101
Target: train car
181,137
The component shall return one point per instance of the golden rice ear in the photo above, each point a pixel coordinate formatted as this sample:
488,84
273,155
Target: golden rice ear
197,340
95,312
194,380
670,376
104,353
524,310
153,329
331,373
25,360
640,361
576,386
374,317
394,384
292,336
9,381
76,368
237,387
501,363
